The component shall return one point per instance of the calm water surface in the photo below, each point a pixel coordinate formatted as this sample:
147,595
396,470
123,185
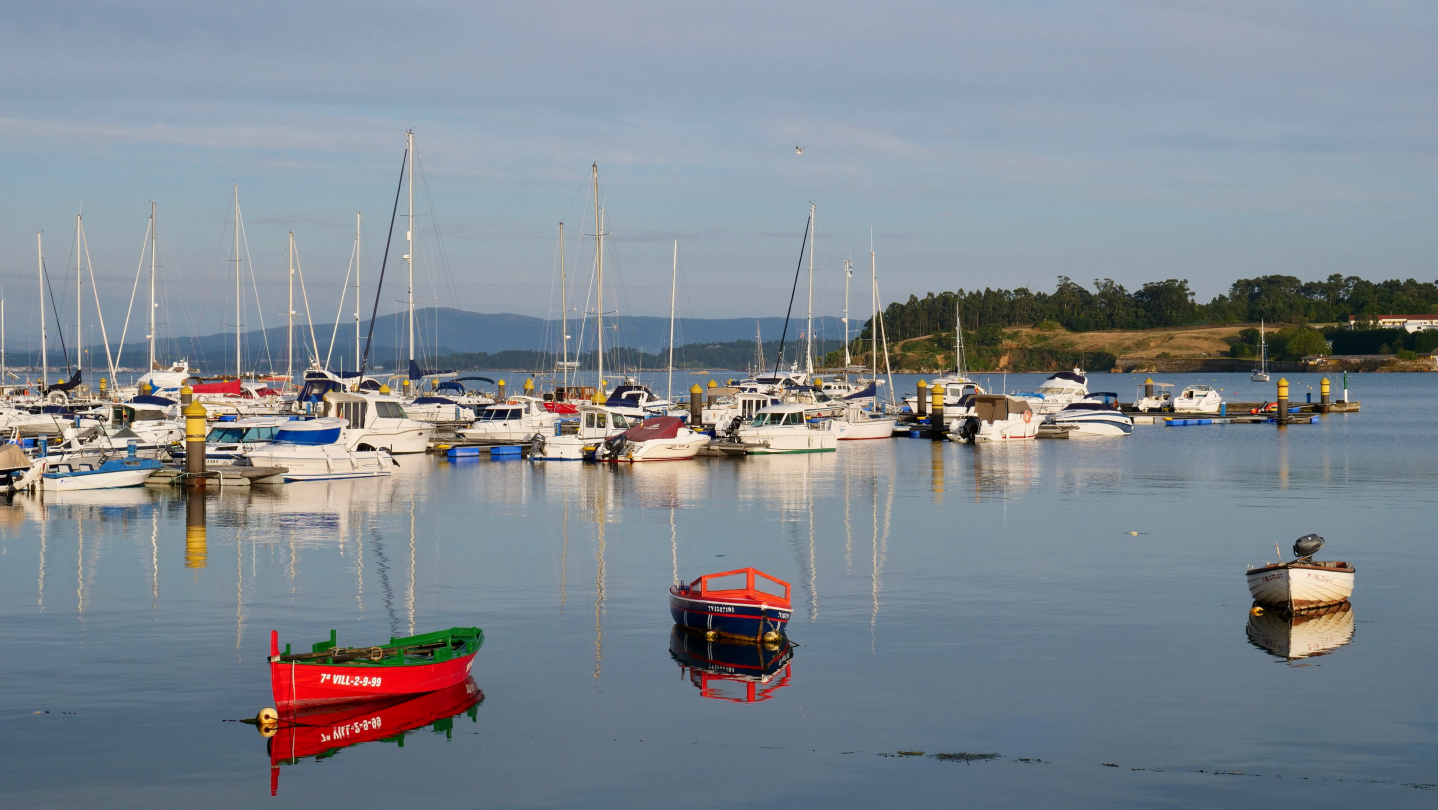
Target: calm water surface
948,599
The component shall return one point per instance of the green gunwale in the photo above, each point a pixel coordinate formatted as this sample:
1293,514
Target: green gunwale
400,651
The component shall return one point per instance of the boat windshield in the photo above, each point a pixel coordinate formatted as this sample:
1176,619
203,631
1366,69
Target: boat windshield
224,435
388,410
499,414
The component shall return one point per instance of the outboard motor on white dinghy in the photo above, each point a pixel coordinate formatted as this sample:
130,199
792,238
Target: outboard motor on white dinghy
1307,545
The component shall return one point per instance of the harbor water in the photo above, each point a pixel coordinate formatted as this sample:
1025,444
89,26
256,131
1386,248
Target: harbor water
1068,620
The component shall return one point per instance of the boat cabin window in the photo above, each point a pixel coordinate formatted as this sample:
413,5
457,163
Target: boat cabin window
620,421
388,410
499,414
353,411
794,418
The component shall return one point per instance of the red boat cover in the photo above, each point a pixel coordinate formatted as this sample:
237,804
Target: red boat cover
655,427
232,388
560,407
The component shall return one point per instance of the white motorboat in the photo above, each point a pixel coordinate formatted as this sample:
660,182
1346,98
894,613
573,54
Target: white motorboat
591,425
864,423
1303,583
954,386
1096,415
378,422
1058,391
996,417
435,408
228,441
635,399
658,438
515,420
790,428
310,450
730,412
1302,635
1197,399
95,472
1153,396
773,383
164,382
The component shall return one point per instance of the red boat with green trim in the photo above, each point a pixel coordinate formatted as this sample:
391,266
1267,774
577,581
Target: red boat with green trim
403,666
743,603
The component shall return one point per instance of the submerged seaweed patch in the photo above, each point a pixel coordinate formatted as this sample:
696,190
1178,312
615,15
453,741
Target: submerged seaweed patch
963,756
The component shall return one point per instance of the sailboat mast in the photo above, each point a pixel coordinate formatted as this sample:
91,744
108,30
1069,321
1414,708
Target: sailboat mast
809,328
409,238
599,271
359,219
290,318
848,273
79,299
151,336
239,361
673,285
563,314
874,309
44,332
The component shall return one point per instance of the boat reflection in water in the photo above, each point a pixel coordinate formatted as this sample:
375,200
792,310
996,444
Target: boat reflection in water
1301,635
736,671
321,732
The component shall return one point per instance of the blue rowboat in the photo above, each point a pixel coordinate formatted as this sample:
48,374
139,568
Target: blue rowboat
743,603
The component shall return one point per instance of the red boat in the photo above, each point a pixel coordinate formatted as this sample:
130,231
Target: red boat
322,731
744,603
331,674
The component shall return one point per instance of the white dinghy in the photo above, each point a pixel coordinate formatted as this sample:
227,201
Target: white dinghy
1304,583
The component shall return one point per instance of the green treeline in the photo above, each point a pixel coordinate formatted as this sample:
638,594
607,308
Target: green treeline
1277,299
735,354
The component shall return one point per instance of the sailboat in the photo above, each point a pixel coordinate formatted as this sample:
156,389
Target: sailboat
857,421
1260,374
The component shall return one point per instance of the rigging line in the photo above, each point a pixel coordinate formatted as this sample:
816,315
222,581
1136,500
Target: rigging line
138,271
259,310
314,344
109,356
59,330
379,287
778,361
196,348
344,292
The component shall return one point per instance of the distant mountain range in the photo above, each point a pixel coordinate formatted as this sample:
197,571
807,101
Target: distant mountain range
442,332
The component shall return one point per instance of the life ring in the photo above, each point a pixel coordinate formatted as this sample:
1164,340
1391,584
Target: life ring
1028,416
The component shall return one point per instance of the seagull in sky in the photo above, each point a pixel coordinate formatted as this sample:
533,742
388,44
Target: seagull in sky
798,150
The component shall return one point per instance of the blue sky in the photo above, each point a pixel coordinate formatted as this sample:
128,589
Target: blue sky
996,144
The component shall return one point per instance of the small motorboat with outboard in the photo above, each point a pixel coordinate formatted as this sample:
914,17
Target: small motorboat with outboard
743,603
1303,583
70,474
1197,399
658,438
995,417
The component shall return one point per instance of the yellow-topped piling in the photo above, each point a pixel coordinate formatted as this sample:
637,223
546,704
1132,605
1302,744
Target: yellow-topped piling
529,387
696,405
1148,388
194,444
712,386
1282,414
501,389
598,398
1324,394
921,404
384,389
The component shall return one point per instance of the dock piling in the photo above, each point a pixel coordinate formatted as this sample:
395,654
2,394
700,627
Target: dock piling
696,406
1282,415
921,405
194,443
1324,396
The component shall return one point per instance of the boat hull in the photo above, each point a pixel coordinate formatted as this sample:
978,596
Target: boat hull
106,480
321,462
662,450
300,685
1098,424
1296,587
395,440
865,429
735,618
763,442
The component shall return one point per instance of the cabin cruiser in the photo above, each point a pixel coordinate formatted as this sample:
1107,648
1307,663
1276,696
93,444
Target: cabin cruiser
658,438
310,450
1059,390
954,386
730,411
775,383
228,441
637,400
166,381
1197,399
378,422
996,417
791,427
513,421
859,422
1095,415
435,408
576,438
319,381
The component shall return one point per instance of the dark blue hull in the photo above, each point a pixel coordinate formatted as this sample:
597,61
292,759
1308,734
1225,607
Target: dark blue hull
727,618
